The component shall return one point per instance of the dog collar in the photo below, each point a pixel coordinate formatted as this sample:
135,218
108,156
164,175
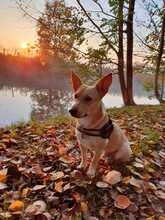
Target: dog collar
104,132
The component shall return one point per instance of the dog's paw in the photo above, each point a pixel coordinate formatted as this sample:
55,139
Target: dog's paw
81,166
91,172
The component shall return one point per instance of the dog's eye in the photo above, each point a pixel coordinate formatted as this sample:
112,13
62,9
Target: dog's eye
88,99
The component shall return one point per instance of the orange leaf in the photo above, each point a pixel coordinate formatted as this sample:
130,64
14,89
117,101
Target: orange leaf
62,150
17,205
66,159
122,202
58,186
2,177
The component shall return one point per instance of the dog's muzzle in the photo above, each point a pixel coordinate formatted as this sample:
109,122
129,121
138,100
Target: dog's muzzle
74,112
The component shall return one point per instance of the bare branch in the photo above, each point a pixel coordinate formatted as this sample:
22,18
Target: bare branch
144,43
97,27
102,10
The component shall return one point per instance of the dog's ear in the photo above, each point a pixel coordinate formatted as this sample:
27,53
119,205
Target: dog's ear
103,84
76,82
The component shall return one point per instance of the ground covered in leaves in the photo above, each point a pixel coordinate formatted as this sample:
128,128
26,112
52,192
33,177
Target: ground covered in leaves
39,177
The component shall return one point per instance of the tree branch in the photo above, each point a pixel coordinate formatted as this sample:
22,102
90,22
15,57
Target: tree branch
102,10
97,27
144,43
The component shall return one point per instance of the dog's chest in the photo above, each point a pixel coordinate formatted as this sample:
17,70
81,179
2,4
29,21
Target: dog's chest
91,142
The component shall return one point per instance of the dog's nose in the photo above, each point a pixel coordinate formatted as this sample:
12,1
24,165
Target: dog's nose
73,111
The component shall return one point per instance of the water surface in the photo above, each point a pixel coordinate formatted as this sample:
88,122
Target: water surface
22,104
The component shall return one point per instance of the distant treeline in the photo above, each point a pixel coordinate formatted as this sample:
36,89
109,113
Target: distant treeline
17,70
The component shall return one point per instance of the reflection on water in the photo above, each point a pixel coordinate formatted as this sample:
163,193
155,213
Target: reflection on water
15,105
46,103
22,104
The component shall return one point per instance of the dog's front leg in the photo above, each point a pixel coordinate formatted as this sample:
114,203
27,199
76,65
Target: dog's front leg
92,168
83,163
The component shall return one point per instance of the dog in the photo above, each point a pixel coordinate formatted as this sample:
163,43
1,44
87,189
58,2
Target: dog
95,131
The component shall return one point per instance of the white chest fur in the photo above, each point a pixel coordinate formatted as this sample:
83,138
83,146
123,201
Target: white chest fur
91,142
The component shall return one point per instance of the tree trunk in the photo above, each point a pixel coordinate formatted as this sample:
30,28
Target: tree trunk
158,61
130,52
162,89
121,53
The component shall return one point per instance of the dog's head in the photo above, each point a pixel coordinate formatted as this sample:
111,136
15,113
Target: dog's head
87,98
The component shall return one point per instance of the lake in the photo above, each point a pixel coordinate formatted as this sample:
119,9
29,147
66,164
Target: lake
21,104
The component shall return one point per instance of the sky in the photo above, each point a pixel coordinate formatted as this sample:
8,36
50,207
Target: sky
16,28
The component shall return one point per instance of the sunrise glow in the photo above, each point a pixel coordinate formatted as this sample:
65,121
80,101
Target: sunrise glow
24,45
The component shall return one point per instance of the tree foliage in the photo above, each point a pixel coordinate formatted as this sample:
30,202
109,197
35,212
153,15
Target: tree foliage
60,30
155,40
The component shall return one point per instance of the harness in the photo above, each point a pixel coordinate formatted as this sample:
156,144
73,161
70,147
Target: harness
104,132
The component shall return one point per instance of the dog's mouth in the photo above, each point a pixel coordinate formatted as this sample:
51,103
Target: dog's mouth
77,115
80,115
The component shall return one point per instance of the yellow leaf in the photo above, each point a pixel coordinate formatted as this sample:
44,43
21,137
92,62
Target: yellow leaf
84,207
151,218
17,205
26,191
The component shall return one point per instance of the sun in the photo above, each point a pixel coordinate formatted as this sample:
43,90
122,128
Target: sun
24,45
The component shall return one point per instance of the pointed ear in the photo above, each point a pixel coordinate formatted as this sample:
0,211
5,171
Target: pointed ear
103,84
76,82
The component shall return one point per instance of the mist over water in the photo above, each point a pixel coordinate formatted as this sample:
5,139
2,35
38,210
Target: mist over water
53,98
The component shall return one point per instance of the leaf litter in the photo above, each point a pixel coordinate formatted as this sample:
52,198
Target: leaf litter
39,178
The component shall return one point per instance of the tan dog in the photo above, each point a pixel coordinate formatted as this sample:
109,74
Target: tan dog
95,131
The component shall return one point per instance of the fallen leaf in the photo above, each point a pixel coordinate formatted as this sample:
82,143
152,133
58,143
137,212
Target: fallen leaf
58,186
26,191
3,186
38,187
162,184
17,205
105,212
160,194
66,159
5,215
57,175
2,177
66,187
122,202
84,207
76,196
152,186
92,218
38,171
101,184
36,208
43,216
138,165
13,141
162,154
62,150
136,182
112,177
